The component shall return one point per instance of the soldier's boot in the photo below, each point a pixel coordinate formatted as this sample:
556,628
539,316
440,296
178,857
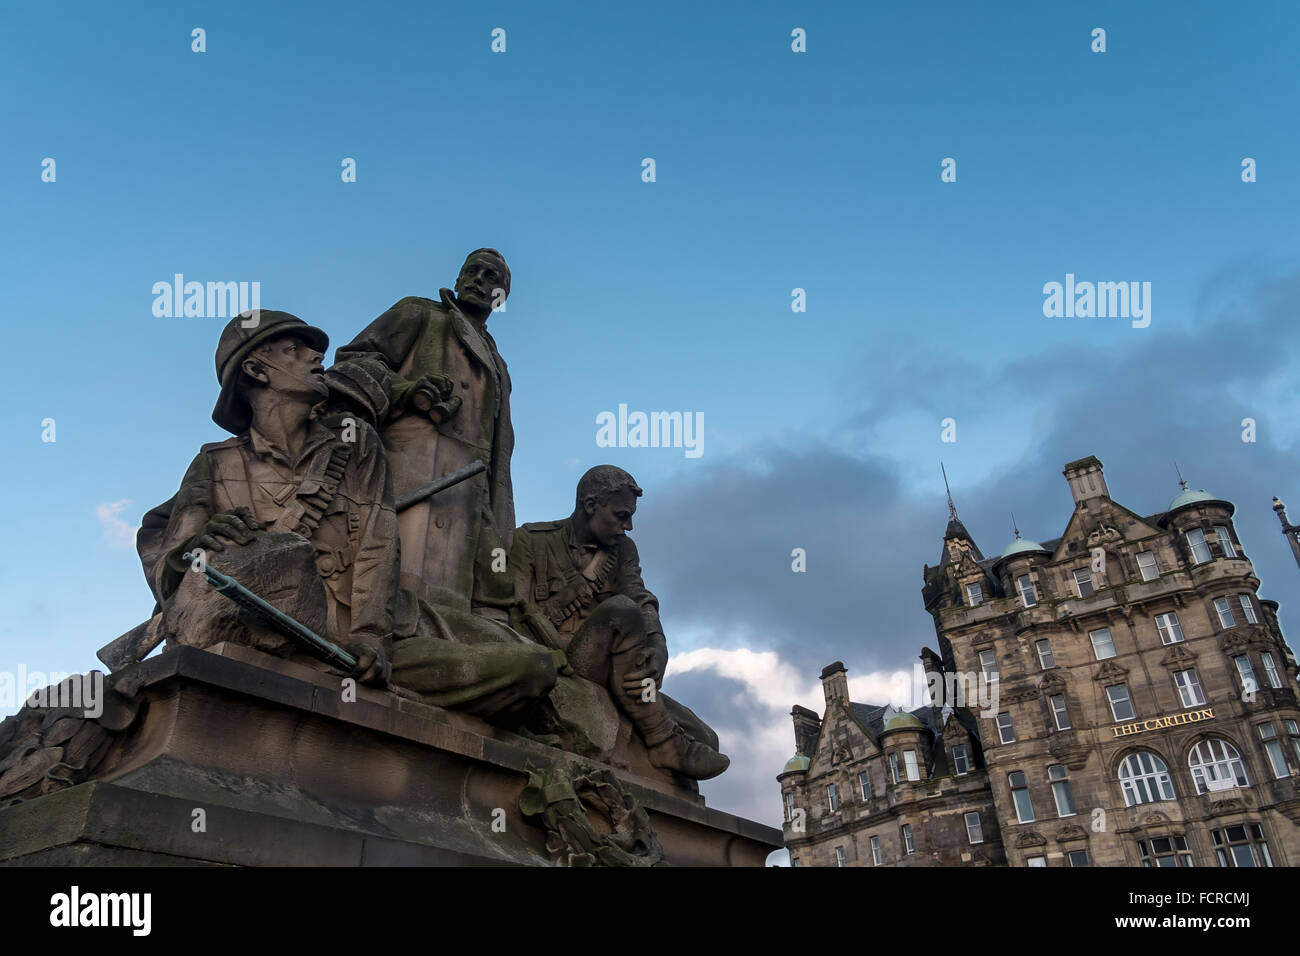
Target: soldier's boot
669,746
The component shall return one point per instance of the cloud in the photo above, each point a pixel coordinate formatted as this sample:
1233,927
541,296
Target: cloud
117,532
746,696
749,635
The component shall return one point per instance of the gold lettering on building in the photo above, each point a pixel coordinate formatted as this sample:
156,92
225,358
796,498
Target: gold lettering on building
1160,723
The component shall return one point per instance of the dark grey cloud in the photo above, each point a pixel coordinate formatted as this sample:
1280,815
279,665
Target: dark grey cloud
717,548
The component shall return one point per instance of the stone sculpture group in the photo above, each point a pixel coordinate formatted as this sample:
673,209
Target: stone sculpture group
315,506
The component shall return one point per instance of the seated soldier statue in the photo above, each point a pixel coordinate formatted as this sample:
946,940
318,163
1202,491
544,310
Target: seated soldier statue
579,588
298,507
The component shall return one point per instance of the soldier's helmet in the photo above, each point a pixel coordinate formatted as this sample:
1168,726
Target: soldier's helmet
232,411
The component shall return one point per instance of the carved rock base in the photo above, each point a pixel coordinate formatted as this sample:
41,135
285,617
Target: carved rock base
239,758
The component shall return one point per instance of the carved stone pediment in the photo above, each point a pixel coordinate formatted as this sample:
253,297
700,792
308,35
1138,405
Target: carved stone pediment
1178,654
1071,832
1066,747
1018,693
1154,819
1052,683
1110,671
953,730
1030,838
1234,642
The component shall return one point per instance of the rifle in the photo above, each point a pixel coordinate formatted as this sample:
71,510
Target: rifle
416,495
228,587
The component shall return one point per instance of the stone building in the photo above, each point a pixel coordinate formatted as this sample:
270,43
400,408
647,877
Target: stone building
1146,709
876,786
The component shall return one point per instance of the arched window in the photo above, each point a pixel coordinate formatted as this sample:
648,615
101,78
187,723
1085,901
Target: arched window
1216,765
1144,778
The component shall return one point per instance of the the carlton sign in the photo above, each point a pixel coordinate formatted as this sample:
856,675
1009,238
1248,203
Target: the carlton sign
1159,723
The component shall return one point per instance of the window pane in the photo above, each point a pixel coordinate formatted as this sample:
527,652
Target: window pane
1225,541
1028,596
1102,645
1247,608
1006,733
1225,612
974,594
1171,632
909,762
1059,712
1271,671
1200,549
1083,582
1147,565
1045,658
1121,707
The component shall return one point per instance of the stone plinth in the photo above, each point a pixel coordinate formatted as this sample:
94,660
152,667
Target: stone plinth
286,772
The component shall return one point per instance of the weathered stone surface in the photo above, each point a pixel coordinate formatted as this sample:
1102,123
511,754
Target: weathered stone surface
278,567
272,792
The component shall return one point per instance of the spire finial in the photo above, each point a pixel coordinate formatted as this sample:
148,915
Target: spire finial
1181,480
952,509
1013,525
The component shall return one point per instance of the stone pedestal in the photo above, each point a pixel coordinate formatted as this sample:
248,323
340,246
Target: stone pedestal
239,758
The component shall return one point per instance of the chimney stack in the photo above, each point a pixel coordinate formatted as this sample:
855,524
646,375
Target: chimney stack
1086,480
835,682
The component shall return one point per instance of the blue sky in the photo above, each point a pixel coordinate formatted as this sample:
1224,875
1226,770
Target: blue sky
775,170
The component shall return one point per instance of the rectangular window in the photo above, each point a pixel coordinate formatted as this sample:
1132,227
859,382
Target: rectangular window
988,663
1059,713
1189,687
1025,585
1036,861
908,846
1121,706
1200,549
1270,669
893,767
1147,565
1273,747
875,851
1061,790
1247,674
839,856
1078,857
1165,851
1045,659
960,760
1241,846
833,797
1006,733
1102,645
1225,541
974,594
1248,609
864,785
1020,796
910,766
974,829
1224,607
1171,632
1293,732
1083,582
789,806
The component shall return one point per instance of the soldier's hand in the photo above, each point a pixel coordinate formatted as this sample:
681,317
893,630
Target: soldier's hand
650,662
237,526
373,667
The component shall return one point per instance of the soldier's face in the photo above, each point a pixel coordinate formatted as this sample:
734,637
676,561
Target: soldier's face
479,277
293,367
612,518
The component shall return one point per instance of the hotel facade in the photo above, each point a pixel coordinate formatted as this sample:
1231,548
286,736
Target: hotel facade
1137,706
